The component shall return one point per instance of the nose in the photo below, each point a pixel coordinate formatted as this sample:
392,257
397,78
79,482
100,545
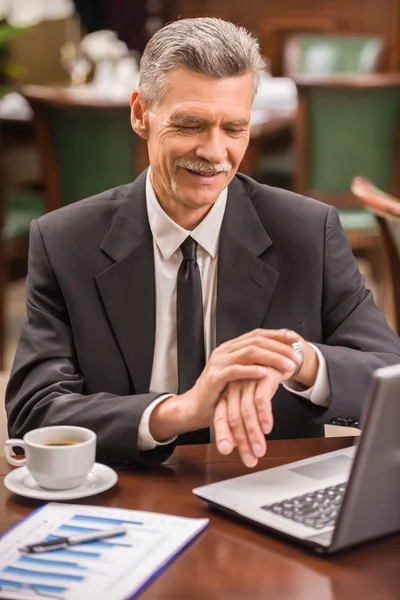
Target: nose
212,146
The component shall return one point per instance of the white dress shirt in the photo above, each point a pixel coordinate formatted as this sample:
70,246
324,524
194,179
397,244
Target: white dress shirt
167,238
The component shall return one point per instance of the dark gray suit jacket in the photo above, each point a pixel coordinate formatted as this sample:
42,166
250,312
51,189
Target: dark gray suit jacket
86,348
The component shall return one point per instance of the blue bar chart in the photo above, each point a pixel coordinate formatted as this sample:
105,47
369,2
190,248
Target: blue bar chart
110,568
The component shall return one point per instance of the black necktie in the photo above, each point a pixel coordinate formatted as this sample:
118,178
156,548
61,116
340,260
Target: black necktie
190,330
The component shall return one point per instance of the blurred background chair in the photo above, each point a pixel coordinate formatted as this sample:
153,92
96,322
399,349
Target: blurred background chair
346,127
86,145
328,54
18,206
322,55
386,209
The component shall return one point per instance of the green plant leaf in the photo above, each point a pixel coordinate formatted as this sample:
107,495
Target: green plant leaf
9,33
13,70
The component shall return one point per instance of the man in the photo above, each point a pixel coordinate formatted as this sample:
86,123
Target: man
172,309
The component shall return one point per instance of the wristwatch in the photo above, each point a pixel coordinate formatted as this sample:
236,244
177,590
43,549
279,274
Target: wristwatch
298,347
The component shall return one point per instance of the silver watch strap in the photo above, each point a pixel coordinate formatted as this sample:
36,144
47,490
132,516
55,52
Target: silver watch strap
298,347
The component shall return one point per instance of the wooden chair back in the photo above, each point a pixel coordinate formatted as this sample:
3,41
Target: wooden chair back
386,209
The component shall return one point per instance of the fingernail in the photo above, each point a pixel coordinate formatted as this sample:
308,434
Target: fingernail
262,371
249,460
266,428
289,364
224,447
258,449
292,335
297,357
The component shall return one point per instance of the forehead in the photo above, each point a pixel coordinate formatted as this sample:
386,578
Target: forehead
193,93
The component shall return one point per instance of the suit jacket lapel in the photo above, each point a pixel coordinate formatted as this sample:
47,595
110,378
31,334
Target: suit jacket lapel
245,283
127,287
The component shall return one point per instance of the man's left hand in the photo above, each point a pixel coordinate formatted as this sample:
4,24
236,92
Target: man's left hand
244,413
309,368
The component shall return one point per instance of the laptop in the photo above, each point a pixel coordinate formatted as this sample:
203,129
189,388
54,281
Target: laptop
335,500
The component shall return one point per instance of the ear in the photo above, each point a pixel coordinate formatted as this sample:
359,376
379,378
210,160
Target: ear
139,115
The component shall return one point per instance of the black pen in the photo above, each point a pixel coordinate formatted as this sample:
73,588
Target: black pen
63,542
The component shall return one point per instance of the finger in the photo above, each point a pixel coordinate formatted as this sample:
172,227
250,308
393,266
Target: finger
223,435
250,418
270,345
273,333
219,377
265,391
286,336
260,356
257,341
237,427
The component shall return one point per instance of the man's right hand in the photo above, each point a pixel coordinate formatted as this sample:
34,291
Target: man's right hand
244,358
244,416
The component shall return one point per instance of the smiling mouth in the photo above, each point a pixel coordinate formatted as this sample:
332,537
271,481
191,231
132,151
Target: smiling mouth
204,173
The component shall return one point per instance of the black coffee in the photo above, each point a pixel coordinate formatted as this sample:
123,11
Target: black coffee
61,442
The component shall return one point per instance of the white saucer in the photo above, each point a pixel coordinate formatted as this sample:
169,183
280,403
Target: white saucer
100,479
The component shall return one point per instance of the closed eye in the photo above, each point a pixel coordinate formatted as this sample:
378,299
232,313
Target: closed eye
234,131
189,128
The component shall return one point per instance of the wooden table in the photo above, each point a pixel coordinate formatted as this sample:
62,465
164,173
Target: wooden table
232,560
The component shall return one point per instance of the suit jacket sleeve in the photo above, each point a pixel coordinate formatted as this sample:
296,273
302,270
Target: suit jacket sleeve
357,338
46,386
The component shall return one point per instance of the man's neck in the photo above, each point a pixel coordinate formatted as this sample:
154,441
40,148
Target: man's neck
186,217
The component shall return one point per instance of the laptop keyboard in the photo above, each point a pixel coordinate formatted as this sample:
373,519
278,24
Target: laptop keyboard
317,509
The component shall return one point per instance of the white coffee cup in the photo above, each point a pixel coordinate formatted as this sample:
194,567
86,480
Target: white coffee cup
58,457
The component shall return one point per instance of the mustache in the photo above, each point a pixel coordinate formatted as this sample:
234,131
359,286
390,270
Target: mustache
203,165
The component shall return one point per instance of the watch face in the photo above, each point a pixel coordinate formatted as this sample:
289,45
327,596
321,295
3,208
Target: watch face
298,347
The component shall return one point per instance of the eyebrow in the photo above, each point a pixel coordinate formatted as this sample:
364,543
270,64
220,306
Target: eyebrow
180,119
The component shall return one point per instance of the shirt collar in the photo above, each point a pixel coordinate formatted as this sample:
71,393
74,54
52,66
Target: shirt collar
169,235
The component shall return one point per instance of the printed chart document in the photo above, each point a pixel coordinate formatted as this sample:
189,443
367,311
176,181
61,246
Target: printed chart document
112,569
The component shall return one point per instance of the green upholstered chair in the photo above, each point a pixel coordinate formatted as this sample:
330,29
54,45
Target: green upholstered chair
386,209
330,54
87,145
345,127
21,207
18,208
319,54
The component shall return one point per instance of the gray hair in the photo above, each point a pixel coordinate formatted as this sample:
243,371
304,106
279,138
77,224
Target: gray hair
206,45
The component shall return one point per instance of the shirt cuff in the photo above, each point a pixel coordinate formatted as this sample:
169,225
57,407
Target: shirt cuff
320,392
145,439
